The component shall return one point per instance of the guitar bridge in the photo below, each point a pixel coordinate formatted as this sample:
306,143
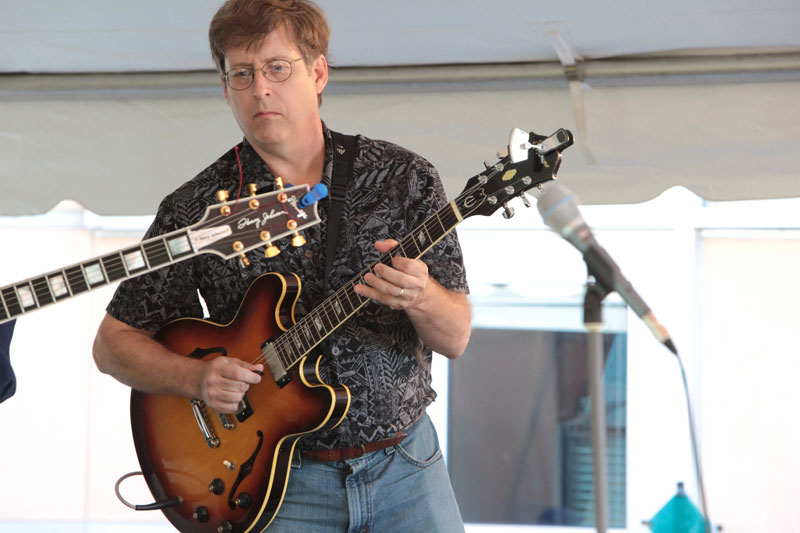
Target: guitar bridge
199,410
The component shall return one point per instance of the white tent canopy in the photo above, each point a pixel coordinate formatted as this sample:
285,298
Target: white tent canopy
114,104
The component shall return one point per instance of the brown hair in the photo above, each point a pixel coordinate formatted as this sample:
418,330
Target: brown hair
245,22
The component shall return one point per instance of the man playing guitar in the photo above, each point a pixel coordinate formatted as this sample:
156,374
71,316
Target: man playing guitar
381,468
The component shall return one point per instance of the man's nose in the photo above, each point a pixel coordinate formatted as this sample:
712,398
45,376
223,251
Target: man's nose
261,85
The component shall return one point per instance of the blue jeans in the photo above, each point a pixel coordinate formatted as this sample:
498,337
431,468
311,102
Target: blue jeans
404,487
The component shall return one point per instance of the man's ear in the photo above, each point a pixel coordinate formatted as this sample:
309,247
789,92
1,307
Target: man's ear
320,72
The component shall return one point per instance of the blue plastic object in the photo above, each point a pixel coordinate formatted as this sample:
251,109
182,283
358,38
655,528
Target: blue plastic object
679,515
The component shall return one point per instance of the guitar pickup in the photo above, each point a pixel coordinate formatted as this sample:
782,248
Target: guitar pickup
279,374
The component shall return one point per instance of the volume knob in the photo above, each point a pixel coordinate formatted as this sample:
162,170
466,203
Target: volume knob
216,486
200,514
243,500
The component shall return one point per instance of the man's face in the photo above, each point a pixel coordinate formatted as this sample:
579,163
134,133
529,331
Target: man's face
275,115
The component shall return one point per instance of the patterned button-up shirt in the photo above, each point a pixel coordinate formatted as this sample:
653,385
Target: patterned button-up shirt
376,353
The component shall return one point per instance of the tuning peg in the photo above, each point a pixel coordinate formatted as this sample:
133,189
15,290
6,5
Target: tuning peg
282,197
508,211
525,199
298,240
254,204
271,250
222,196
238,247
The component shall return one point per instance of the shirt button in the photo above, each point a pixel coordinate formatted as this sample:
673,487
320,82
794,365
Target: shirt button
335,350
309,253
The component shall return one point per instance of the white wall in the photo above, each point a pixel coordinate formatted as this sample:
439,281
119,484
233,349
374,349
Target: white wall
749,378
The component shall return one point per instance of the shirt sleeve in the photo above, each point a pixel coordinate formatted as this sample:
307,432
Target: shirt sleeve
152,300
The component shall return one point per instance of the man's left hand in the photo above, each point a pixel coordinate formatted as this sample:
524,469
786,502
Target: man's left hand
399,286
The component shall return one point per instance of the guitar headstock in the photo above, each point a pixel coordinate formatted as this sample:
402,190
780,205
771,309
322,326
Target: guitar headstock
529,161
230,229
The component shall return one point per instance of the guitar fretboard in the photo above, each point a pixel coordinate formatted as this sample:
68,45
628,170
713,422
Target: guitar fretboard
298,341
228,229
34,293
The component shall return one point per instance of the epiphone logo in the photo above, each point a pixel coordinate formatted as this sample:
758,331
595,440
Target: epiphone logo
259,221
472,200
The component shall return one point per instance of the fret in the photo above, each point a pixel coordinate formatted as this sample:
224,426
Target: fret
179,245
3,310
347,303
410,240
26,298
422,239
341,312
42,290
58,286
76,280
114,267
360,300
307,334
155,252
323,322
401,246
435,229
12,302
319,327
296,341
133,259
94,273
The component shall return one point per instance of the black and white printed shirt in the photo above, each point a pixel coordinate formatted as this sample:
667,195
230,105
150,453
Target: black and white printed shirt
377,352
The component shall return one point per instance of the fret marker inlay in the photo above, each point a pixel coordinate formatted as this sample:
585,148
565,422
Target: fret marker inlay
94,273
58,285
134,260
26,297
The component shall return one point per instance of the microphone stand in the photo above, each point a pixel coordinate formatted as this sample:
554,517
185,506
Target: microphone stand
593,321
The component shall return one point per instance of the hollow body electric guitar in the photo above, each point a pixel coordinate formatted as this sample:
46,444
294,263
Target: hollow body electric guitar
227,229
212,472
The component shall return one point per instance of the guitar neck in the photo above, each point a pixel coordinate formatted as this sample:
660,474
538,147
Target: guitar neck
228,229
312,329
34,293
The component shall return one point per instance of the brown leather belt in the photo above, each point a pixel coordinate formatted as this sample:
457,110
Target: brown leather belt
342,454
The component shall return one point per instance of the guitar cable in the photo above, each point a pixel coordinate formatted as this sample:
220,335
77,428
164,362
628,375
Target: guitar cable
155,506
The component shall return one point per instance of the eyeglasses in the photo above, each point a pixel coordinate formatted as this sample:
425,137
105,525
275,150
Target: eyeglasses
277,70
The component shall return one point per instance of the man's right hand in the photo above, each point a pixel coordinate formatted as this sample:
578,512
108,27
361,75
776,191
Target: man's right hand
224,380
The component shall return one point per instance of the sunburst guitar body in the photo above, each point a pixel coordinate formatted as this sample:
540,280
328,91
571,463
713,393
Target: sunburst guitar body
229,472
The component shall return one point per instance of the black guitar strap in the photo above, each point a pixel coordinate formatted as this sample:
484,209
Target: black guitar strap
344,152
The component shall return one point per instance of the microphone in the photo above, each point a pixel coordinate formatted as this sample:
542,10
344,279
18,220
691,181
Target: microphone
559,209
